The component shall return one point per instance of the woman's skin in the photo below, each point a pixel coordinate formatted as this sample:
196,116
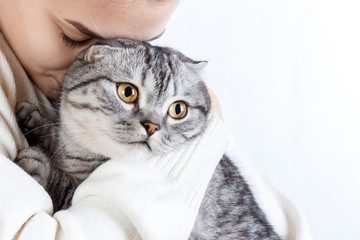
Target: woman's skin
35,30
46,35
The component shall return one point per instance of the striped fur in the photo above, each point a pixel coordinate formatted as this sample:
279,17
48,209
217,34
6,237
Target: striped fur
95,125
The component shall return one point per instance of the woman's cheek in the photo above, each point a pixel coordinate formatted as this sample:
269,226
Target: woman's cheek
57,56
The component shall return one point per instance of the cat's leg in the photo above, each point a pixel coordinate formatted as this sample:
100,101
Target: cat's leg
61,189
38,130
229,209
36,163
59,185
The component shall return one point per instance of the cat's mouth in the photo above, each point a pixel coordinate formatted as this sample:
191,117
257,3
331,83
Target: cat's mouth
145,143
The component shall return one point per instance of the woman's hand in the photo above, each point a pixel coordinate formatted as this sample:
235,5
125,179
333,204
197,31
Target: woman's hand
215,105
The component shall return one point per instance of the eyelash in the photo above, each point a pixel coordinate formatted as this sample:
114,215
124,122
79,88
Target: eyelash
72,43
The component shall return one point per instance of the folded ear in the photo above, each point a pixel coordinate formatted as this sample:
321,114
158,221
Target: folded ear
198,65
94,53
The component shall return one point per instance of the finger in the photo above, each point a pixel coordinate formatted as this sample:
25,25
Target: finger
215,105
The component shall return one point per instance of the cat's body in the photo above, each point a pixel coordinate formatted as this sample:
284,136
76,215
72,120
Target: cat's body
130,98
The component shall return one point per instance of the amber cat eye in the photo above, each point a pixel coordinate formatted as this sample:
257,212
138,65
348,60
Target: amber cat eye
127,92
178,110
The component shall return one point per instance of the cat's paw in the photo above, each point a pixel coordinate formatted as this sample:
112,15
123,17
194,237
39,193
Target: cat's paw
38,130
33,161
29,119
27,115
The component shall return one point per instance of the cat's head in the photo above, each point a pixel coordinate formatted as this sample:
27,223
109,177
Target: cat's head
128,97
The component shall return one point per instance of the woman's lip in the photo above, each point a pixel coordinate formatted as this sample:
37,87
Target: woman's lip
57,81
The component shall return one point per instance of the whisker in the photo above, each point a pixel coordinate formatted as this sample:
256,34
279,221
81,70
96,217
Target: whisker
61,148
49,107
42,126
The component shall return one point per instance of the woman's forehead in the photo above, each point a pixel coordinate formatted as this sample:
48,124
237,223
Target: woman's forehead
137,19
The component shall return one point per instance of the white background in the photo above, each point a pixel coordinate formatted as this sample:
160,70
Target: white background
287,73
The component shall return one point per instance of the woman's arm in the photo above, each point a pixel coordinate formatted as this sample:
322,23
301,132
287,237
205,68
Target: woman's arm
21,197
156,198
152,199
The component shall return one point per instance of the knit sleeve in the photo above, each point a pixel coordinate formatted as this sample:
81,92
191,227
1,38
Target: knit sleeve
21,197
157,198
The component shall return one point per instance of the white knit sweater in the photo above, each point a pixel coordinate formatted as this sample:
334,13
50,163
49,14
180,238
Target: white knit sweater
152,199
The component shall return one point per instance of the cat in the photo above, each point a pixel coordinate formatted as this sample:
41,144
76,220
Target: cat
100,101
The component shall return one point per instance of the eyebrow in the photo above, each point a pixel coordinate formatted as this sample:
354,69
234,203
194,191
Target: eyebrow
84,30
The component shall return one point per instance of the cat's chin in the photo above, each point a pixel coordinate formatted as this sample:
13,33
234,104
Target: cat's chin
132,152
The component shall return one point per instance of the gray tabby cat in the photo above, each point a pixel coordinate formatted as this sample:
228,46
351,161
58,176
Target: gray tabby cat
110,94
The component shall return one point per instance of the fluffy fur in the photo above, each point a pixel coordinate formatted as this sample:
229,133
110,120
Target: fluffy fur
95,124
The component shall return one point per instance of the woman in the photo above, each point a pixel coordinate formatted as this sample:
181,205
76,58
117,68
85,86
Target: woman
38,41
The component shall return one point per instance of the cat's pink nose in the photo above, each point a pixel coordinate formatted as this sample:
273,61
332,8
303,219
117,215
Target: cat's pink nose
150,128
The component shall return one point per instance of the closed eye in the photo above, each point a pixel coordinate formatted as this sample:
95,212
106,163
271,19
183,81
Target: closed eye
73,43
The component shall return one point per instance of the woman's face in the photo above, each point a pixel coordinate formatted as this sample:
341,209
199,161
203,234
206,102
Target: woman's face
46,35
